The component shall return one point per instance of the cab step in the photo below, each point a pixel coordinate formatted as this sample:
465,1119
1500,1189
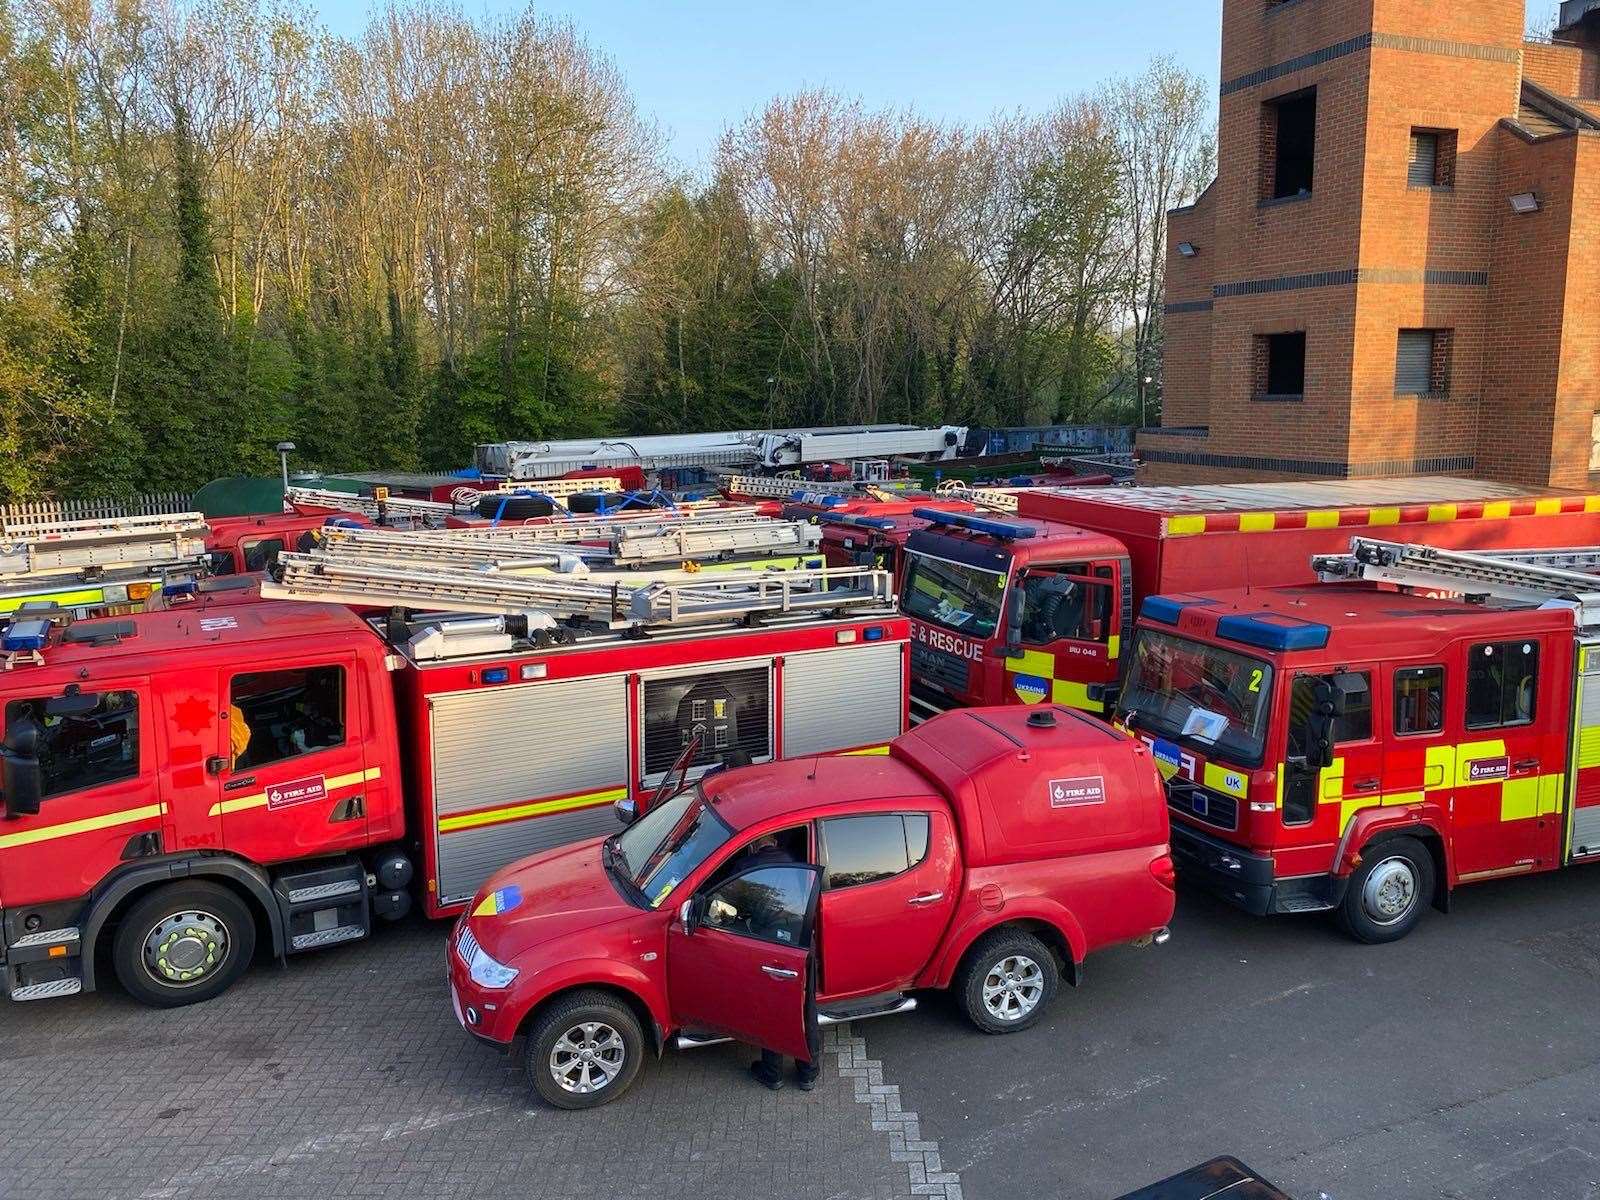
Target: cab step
838,1014
44,965
51,990
323,903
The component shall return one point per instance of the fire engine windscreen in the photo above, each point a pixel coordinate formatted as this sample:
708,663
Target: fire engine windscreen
665,845
965,599
1204,696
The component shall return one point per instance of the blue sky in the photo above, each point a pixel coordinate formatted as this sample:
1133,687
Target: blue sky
696,66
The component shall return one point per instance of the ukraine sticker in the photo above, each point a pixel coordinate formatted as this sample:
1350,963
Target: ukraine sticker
1030,689
501,900
1169,759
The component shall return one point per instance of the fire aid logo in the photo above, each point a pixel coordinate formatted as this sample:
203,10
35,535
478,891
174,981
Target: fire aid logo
1075,793
1483,769
296,791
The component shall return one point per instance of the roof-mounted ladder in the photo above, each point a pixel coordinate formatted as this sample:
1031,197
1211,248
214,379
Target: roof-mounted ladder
30,547
545,600
1519,576
465,496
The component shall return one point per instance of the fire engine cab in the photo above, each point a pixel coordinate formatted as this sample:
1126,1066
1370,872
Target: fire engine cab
1351,747
184,787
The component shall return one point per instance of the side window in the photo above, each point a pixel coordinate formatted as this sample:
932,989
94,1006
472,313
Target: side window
262,553
1355,725
768,903
859,850
274,715
1502,684
1418,700
82,750
1065,604
221,562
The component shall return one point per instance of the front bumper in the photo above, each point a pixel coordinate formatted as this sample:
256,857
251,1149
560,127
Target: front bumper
1247,880
481,1011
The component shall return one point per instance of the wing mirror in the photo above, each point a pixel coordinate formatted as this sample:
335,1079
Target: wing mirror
20,772
626,810
686,916
1015,598
1327,703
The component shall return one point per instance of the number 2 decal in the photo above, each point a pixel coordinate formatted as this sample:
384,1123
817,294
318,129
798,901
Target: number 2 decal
1255,680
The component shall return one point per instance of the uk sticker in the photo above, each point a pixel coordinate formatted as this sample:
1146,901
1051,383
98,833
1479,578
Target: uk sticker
1481,770
1076,793
297,791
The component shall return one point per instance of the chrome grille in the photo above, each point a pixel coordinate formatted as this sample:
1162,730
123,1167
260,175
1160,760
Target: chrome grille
466,946
1203,804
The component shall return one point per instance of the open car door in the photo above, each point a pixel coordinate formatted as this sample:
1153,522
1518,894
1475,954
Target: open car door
739,958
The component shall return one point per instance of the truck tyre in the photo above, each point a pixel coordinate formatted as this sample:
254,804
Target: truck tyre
1007,981
1388,892
585,502
584,1050
183,943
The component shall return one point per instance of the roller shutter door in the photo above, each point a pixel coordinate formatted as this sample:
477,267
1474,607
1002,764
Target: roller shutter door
513,747
1424,165
1413,375
839,699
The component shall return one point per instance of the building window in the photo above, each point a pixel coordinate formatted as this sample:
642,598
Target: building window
1280,366
1288,145
1433,158
1422,363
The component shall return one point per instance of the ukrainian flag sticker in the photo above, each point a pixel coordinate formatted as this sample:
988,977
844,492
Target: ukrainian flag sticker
501,900
1030,689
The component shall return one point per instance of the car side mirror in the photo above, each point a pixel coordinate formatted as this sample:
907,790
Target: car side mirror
20,772
626,810
686,916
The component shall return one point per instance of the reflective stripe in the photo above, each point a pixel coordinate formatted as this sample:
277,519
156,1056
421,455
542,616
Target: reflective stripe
63,599
259,799
1384,516
534,808
85,825
1257,522
865,750
1183,526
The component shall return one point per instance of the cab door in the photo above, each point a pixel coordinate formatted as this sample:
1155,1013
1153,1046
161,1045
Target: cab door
97,760
1319,801
293,771
739,958
1061,638
889,887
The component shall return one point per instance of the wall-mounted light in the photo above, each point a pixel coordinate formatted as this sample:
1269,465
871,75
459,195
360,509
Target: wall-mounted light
1188,249
1525,203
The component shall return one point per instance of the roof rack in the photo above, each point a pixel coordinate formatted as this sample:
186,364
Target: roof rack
1519,577
33,547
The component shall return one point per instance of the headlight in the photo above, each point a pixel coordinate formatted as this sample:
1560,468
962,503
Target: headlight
485,971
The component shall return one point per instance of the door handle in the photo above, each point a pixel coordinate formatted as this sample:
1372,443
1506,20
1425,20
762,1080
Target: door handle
929,898
1526,764
233,785
1367,785
781,972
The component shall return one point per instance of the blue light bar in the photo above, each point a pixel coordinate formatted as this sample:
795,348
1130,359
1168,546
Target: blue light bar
874,633
821,499
1165,609
497,675
1000,529
884,523
25,635
1273,632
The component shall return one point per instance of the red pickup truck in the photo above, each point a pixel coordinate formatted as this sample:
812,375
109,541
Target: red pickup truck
989,852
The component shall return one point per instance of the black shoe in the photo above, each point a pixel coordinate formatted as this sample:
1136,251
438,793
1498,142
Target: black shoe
766,1078
806,1081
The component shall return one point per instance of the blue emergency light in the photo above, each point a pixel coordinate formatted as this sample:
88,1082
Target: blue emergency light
874,633
825,499
497,675
186,586
884,523
1000,529
1272,631
24,636
1167,609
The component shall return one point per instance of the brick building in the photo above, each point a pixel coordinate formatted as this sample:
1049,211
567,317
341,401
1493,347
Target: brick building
1397,268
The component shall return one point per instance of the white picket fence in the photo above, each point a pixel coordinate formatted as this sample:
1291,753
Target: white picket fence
87,510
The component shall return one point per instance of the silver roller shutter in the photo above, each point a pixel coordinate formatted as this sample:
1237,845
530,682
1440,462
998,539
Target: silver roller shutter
1413,373
509,745
1586,820
837,699
1423,167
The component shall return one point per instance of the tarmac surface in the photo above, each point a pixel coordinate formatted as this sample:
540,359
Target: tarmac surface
1463,1062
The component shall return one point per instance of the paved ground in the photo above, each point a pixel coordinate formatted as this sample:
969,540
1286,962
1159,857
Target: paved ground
1463,1063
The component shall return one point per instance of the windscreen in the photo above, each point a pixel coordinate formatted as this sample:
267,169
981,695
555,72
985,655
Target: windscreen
1213,699
669,842
965,599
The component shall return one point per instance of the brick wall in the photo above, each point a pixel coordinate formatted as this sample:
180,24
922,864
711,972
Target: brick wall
1564,70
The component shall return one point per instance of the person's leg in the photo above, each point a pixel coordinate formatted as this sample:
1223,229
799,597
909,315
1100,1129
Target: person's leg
769,1071
806,1072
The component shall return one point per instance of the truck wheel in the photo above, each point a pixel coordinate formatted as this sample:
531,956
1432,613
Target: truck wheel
1008,979
1388,892
183,943
584,1051
515,508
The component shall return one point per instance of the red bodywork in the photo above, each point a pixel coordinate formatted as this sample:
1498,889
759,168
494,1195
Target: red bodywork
241,545
1059,829
869,532
1172,540
1493,798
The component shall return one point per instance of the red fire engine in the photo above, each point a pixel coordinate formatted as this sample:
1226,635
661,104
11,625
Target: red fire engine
1351,747
1036,607
181,787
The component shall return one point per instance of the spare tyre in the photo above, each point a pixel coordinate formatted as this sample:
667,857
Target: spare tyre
585,502
515,508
